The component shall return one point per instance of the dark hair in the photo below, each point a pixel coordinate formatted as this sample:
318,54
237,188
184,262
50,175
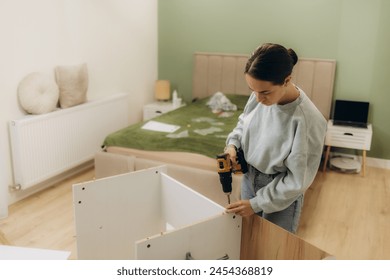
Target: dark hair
271,62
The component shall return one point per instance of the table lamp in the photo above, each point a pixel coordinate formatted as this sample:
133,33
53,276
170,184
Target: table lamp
162,90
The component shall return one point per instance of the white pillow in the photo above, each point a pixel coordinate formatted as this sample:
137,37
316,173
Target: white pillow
38,93
72,81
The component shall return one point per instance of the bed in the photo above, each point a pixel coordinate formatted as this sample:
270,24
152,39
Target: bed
202,133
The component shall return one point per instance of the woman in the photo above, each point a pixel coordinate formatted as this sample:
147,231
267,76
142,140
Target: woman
281,133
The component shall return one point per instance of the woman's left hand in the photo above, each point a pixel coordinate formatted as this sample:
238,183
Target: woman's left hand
241,207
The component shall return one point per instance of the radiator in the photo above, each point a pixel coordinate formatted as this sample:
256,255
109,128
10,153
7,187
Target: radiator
44,146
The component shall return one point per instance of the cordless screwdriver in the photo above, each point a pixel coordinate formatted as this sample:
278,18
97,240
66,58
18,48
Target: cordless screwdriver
226,168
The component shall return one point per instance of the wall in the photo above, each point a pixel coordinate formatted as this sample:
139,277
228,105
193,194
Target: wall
116,38
354,32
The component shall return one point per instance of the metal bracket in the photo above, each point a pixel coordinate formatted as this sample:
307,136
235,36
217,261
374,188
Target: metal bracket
190,258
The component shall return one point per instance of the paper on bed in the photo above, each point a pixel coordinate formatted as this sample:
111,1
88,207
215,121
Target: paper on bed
159,126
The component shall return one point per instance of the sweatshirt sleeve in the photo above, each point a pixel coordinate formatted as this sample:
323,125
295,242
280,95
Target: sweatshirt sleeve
234,137
301,168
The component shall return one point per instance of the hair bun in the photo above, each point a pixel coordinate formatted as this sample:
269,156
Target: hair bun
293,56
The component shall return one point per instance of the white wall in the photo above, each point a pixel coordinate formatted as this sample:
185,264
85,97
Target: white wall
116,38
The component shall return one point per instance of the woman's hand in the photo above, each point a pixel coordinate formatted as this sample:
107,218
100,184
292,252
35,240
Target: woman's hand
232,151
241,207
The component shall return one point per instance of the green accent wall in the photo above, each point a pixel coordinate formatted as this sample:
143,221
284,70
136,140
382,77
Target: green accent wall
354,32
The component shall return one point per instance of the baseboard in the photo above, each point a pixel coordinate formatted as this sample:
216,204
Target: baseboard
379,163
372,162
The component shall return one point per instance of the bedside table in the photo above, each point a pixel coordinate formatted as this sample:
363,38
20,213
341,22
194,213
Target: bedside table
158,108
348,137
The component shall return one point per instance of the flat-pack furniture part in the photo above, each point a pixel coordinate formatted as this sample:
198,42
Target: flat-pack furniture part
8,252
147,214
260,239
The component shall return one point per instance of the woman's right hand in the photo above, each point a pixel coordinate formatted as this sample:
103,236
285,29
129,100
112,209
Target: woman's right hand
232,151
241,207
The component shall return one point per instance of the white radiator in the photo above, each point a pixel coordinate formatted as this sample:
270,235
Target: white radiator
44,146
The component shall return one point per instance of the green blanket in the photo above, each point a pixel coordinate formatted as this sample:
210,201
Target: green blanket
201,131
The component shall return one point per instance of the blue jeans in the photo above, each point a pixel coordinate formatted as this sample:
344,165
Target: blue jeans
288,218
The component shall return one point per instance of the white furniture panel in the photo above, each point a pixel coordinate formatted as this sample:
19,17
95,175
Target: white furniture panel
182,205
111,213
24,253
214,238
148,215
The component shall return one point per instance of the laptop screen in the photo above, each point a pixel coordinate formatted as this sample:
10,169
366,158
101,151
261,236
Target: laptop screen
350,111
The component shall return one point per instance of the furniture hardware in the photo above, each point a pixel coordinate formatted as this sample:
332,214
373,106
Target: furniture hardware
189,257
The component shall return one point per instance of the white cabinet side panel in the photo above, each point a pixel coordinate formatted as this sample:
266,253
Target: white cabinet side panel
183,206
207,240
113,212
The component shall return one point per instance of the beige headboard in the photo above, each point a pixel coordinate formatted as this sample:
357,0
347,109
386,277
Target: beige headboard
225,72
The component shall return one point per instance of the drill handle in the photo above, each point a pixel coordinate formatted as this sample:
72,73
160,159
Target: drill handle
242,165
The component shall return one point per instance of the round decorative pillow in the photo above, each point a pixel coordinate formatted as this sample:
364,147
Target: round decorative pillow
38,93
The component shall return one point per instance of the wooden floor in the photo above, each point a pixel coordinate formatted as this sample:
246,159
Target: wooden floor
346,215
44,220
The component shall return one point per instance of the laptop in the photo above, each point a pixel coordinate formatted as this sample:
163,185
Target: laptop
351,113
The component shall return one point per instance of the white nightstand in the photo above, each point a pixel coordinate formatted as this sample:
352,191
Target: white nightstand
348,137
158,108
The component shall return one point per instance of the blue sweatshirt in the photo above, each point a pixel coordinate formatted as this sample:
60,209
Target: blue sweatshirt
286,140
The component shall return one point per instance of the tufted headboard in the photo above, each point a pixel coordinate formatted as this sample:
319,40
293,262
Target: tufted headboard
225,72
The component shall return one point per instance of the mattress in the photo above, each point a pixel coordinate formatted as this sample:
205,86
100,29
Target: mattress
200,130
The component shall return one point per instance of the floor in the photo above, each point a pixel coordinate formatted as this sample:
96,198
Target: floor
348,215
